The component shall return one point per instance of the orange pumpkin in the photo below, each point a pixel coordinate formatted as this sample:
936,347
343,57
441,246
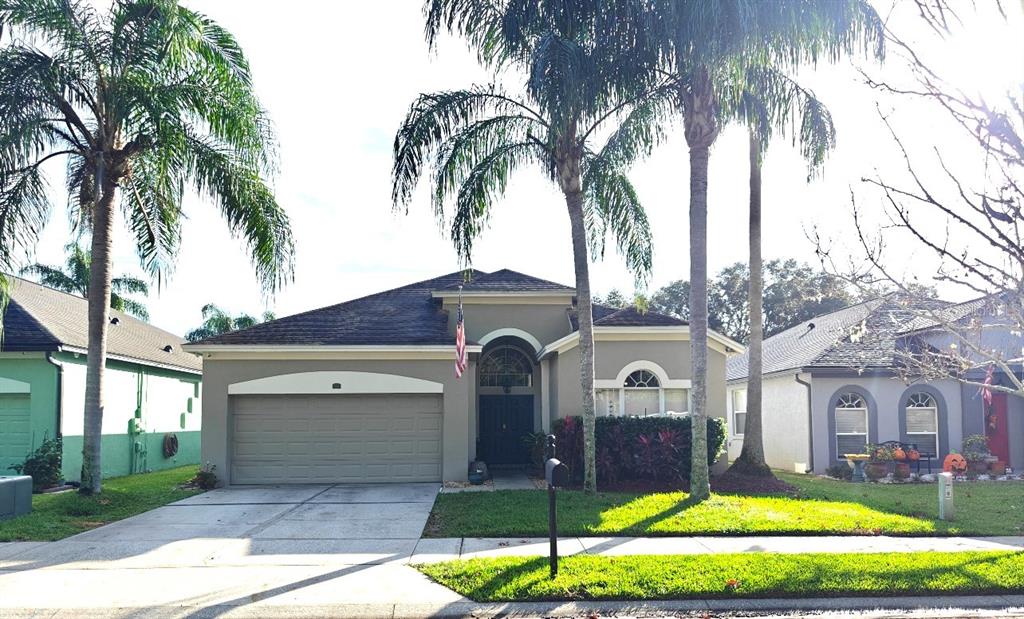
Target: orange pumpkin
954,463
914,455
899,455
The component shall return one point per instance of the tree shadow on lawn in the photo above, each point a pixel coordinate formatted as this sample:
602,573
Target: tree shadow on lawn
745,576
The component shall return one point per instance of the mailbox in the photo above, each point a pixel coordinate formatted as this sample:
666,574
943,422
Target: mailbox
556,473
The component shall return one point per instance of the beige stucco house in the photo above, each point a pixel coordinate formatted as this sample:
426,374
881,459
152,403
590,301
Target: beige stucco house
366,390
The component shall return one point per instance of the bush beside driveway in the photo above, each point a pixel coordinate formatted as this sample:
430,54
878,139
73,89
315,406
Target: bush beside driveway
56,516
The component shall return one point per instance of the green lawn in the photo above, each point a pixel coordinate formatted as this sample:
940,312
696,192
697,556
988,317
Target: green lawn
825,507
589,577
55,516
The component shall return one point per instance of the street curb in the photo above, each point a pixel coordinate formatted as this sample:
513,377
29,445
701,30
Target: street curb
1005,603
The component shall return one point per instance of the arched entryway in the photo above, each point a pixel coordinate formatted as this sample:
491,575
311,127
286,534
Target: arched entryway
507,392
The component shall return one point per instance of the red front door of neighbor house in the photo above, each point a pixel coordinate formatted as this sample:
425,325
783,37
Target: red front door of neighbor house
996,428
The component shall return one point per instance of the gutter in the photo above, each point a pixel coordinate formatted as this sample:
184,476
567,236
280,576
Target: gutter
60,391
810,422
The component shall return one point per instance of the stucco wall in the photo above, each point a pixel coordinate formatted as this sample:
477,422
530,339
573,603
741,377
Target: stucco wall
546,322
784,423
886,393
167,399
218,374
611,356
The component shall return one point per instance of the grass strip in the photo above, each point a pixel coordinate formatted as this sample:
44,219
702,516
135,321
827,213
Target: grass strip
56,516
675,577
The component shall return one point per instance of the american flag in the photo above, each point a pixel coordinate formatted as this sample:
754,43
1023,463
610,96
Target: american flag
460,343
986,388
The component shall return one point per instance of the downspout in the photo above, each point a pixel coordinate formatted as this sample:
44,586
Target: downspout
810,421
60,392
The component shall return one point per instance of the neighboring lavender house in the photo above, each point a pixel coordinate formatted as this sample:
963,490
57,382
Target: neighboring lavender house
832,385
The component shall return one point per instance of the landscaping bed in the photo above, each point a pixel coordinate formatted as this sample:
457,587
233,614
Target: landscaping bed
759,575
821,507
59,515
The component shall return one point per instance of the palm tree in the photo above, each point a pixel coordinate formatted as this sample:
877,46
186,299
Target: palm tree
216,321
149,97
74,278
708,47
771,103
477,137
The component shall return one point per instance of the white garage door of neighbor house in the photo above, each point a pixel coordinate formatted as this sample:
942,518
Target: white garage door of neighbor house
335,438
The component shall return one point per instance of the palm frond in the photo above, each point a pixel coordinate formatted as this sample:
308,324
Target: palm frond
433,120
248,206
611,205
53,277
129,285
129,306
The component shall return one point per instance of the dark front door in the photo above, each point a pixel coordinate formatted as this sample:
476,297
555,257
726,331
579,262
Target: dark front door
505,420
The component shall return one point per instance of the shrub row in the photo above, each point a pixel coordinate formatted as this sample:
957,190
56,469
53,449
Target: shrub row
635,448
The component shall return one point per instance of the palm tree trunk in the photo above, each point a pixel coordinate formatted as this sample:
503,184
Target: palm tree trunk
701,129
751,460
99,317
585,316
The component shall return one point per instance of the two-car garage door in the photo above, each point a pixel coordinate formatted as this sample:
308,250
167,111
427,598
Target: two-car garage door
336,438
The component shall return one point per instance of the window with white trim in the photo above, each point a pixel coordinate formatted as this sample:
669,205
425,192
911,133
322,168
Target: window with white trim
851,415
922,421
642,394
606,402
739,411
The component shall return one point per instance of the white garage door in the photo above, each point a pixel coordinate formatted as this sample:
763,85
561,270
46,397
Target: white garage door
335,438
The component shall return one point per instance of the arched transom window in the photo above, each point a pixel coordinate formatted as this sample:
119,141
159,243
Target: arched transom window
641,379
506,366
851,424
922,422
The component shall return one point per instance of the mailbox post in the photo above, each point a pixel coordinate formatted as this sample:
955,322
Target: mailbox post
556,474
946,509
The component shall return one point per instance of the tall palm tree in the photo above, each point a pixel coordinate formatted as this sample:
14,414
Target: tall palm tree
74,278
771,103
148,97
216,321
479,136
708,47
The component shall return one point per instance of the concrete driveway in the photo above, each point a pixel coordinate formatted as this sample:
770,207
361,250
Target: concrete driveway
280,546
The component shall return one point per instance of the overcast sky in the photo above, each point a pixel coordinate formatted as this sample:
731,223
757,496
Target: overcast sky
338,77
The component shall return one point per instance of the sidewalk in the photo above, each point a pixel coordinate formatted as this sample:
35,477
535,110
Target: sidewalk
447,549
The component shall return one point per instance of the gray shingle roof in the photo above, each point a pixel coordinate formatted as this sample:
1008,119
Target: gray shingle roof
408,315
605,316
632,317
507,280
857,337
42,319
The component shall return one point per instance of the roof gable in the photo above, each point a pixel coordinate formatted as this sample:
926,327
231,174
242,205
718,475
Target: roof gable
41,318
507,281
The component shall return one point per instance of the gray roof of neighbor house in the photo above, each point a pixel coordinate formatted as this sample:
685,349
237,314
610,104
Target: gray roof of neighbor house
409,315
858,337
43,319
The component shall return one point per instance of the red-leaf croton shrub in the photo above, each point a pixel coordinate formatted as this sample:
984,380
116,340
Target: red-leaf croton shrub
635,448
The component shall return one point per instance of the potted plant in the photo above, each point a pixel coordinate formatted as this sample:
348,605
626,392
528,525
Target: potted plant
976,452
878,464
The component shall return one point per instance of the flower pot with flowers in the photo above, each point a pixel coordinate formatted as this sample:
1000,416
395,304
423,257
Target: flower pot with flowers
878,464
977,453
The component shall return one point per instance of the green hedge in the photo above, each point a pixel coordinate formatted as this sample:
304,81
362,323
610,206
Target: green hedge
636,448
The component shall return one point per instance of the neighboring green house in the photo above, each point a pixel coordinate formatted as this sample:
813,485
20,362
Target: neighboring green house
152,386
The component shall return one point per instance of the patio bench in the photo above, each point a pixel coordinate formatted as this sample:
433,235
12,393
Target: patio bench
906,447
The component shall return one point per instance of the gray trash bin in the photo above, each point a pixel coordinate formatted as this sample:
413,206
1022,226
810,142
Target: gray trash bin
15,495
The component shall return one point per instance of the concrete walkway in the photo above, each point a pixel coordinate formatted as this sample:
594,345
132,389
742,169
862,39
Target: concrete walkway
437,550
